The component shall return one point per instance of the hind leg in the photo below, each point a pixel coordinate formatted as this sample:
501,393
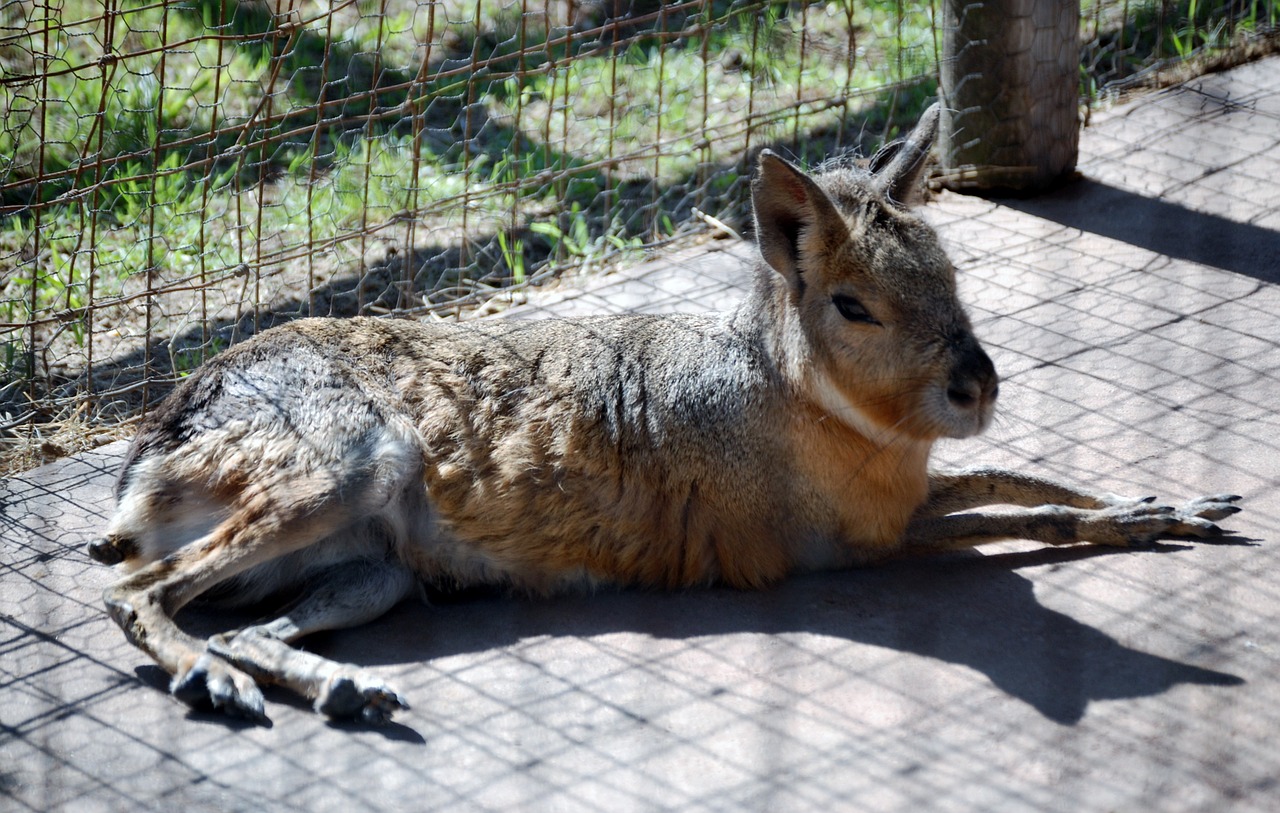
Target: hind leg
200,680
144,603
344,596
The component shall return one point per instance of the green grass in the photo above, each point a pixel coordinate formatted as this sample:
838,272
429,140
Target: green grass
1115,46
145,147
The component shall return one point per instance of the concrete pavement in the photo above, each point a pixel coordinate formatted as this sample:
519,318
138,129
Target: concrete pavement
1133,316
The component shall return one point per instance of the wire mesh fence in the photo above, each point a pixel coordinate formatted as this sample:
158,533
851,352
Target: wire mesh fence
177,175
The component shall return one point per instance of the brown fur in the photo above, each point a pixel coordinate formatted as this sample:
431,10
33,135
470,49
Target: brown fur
359,459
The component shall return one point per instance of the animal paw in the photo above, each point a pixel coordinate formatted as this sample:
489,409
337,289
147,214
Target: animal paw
211,683
1140,522
359,696
1199,516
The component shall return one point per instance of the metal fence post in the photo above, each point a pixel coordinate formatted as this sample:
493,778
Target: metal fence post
1010,81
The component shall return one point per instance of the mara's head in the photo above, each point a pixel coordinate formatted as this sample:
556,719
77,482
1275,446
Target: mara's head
886,345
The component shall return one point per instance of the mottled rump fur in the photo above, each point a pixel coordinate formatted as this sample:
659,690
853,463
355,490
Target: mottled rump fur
354,461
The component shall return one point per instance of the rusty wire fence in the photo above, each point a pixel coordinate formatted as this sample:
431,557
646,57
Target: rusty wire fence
176,175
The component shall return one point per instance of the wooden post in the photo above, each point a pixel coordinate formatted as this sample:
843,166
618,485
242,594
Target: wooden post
1010,86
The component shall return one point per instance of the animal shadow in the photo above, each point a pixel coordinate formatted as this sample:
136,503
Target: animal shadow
971,610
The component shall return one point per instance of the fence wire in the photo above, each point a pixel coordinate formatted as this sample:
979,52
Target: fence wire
177,175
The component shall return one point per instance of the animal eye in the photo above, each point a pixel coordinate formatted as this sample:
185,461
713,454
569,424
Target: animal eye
852,309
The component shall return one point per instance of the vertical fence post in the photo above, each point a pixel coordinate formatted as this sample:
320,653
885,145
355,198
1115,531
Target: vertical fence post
1010,83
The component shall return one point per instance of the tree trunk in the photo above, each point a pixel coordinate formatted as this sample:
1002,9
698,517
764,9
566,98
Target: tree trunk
1010,83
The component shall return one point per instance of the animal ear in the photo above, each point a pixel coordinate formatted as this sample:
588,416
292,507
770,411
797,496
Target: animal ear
786,202
899,167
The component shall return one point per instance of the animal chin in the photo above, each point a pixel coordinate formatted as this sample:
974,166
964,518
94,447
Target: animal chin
968,426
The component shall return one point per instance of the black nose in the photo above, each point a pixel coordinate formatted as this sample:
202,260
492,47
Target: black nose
973,377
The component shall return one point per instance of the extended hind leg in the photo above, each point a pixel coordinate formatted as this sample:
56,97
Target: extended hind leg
347,595
199,679
144,603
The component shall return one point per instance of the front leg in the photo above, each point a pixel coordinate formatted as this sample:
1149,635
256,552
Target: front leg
987,485
1050,512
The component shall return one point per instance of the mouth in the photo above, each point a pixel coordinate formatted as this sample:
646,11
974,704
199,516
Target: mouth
962,413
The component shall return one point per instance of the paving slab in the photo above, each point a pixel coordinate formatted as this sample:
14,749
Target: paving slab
1134,317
